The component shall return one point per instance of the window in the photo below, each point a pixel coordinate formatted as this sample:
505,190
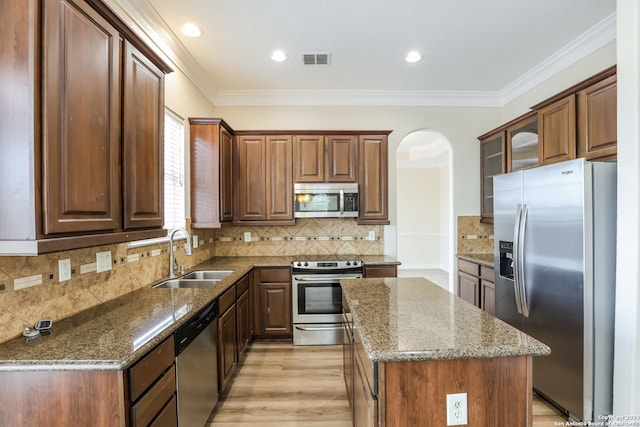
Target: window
174,215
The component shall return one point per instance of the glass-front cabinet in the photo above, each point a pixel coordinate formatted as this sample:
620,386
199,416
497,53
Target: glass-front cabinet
492,158
522,143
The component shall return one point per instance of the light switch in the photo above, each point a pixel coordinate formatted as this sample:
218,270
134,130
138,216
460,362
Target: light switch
103,261
195,241
64,270
247,236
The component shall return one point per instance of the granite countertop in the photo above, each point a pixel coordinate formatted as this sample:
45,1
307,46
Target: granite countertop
485,259
409,319
115,334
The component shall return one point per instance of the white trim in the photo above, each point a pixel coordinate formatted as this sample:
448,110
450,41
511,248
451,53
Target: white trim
591,40
19,248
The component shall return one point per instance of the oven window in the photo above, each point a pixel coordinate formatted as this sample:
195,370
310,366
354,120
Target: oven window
319,298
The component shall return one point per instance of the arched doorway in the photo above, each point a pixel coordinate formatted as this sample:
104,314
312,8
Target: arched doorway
423,179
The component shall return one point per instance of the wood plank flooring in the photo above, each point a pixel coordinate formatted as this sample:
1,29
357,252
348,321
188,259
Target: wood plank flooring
280,384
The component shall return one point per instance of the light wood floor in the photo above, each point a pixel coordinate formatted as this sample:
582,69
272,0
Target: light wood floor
280,384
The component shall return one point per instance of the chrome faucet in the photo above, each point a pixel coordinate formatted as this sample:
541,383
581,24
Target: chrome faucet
187,250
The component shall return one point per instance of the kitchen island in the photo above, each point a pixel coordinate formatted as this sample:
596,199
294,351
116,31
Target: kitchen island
409,344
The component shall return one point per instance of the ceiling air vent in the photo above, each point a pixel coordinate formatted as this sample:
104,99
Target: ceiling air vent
316,58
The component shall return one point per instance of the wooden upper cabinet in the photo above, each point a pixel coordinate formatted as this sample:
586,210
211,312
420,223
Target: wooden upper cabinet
492,148
143,141
226,175
342,158
251,175
308,157
557,126
597,120
373,179
81,120
211,153
521,149
279,184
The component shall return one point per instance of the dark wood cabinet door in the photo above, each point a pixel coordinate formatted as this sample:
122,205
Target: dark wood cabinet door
250,190
342,158
308,157
244,324
380,271
373,179
469,288
279,185
557,125
81,120
488,296
227,350
143,141
226,175
597,120
205,180
276,308
492,158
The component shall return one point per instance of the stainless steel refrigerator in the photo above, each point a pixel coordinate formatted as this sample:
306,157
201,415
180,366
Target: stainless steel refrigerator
554,231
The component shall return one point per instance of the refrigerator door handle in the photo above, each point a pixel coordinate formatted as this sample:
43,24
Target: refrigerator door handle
516,258
521,241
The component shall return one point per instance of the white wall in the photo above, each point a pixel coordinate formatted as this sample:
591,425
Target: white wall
418,211
446,220
626,393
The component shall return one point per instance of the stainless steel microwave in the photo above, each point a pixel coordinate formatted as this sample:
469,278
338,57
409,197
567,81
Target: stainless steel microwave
325,200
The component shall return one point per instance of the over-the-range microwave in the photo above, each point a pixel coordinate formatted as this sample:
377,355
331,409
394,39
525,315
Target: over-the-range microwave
325,200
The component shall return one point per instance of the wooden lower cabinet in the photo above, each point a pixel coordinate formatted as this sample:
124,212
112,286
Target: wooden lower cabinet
476,284
227,338
413,393
244,317
142,395
380,270
272,303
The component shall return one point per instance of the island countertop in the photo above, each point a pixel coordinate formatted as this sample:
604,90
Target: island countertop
411,319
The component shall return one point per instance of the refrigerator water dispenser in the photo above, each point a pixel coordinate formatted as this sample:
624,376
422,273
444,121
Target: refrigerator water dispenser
506,259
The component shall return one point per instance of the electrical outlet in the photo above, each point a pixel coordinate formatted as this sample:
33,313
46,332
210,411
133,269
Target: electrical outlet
194,239
103,261
457,409
247,236
64,270
372,234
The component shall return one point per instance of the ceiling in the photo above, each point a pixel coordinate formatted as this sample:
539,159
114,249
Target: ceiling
471,49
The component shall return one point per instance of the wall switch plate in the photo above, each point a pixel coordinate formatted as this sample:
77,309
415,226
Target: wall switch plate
247,236
457,409
194,239
64,270
372,235
103,261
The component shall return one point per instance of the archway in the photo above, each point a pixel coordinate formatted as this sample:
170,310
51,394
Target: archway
424,194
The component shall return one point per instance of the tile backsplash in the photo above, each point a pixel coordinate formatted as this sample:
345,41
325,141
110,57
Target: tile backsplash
474,237
40,295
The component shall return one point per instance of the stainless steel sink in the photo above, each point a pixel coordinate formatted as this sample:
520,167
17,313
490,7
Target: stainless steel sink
187,283
208,274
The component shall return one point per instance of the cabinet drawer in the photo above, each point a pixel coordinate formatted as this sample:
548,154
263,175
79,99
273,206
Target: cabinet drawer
168,417
150,367
274,275
469,267
143,412
242,285
487,273
370,368
375,271
227,299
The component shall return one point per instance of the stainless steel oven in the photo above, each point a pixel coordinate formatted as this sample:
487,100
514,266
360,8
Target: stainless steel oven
317,299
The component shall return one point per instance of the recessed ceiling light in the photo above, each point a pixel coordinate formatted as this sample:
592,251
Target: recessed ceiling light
279,56
413,56
191,30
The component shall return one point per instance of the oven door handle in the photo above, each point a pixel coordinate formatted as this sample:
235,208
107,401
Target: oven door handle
325,278
319,328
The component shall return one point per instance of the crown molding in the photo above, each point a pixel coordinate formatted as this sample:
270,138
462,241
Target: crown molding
591,40
146,21
356,98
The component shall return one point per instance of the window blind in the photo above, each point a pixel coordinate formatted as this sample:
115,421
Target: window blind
174,202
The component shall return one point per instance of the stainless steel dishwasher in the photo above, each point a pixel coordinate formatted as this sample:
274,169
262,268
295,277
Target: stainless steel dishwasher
197,367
